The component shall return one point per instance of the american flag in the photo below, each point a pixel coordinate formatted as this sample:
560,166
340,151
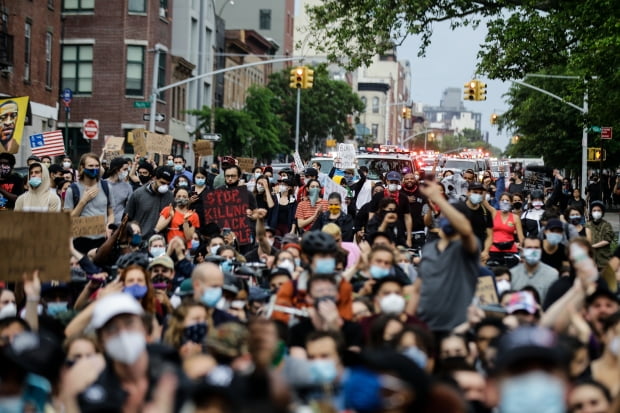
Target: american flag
47,143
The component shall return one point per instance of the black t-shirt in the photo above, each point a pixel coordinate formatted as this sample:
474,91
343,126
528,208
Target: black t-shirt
555,260
514,188
352,333
402,208
480,220
416,203
13,184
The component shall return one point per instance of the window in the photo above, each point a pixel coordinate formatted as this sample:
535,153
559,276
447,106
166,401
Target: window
50,4
375,105
27,44
264,19
364,101
48,58
375,130
161,74
78,5
134,77
163,8
77,68
136,6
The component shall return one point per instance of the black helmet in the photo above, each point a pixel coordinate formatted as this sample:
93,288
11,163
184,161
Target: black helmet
133,258
599,204
315,242
537,194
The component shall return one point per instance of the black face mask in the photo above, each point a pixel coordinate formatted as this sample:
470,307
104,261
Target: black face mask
233,184
144,179
517,205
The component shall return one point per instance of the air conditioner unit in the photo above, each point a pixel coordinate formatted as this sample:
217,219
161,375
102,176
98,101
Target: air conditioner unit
162,12
8,69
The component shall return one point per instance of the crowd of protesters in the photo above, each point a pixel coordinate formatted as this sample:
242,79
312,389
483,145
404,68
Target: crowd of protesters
361,299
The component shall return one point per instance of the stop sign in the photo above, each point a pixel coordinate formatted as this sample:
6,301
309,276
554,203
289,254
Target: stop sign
90,129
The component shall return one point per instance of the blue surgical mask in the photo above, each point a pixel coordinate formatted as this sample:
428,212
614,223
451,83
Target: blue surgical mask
35,181
366,401
325,266
136,239
553,238
157,251
195,333
314,192
195,243
137,291
178,167
323,371
475,198
183,184
532,255
532,392
227,266
378,272
505,206
200,181
170,163
211,296
57,307
446,226
418,356
297,262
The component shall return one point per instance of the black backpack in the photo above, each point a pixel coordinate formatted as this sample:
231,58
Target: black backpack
75,191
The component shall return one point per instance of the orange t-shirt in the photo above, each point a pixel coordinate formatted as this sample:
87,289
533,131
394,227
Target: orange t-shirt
175,229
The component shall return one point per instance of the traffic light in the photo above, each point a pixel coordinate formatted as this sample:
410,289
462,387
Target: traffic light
297,78
494,118
404,113
481,90
308,78
408,113
470,90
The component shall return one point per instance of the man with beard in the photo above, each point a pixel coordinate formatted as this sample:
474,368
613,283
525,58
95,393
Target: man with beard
416,201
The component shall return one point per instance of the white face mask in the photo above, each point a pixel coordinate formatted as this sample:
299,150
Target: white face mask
157,251
9,310
122,175
162,189
502,285
597,215
126,347
392,304
287,265
214,249
66,165
393,187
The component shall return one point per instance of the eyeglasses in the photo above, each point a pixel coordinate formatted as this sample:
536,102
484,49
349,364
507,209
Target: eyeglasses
230,176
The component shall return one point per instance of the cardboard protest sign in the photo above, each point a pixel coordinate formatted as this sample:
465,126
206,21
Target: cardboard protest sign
157,143
331,186
82,226
13,114
35,241
203,148
298,162
139,141
113,148
485,291
227,208
246,164
346,154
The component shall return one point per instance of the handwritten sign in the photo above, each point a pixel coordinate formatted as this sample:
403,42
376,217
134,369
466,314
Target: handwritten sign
298,162
113,148
203,148
485,291
346,154
227,208
331,186
246,164
51,233
139,141
157,143
82,226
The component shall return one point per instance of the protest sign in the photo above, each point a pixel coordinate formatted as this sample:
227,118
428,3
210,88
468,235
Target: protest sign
139,141
227,208
82,226
485,291
331,186
246,164
35,241
346,154
157,143
203,148
113,148
298,162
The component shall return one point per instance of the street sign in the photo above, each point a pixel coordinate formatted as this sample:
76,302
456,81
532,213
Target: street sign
90,129
595,129
141,104
606,132
67,96
159,117
215,137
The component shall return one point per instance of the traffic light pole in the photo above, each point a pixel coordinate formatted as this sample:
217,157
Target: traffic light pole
297,120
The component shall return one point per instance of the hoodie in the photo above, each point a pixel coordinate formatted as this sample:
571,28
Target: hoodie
40,199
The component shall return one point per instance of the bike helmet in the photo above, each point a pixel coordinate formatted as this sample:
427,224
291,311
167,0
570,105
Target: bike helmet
315,242
133,258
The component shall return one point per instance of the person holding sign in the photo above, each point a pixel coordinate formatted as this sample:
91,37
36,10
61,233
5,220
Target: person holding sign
178,219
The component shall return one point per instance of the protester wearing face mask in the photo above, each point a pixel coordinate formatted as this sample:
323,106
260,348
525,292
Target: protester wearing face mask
187,329
284,259
207,282
122,333
178,165
602,234
532,216
336,215
531,271
322,299
553,252
506,229
481,218
146,203
318,256
120,189
576,221
311,206
403,211
8,305
387,221
281,214
137,283
38,198
178,219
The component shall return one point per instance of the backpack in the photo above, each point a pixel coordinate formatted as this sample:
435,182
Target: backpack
75,191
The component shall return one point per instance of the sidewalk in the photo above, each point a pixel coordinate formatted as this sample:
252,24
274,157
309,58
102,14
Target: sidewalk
613,217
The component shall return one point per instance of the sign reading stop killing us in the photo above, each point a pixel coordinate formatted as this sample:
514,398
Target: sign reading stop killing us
227,208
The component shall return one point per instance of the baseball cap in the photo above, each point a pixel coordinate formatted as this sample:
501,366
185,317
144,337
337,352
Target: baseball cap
554,223
602,291
164,172
185,289
393,176
521,301
112,305
164,261
528,343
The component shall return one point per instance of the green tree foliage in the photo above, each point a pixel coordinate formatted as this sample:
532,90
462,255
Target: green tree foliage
325,109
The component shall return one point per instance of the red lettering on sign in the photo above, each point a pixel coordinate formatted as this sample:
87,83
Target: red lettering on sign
227,208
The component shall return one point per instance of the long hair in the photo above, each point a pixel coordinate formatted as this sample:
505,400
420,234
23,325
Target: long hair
176,324
148,301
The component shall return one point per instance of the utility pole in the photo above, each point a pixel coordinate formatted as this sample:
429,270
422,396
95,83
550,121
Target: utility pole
154,90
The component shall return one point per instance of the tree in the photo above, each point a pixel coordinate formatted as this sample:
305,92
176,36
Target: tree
263,106
325,109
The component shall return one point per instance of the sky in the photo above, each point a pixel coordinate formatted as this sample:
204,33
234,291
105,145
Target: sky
450,61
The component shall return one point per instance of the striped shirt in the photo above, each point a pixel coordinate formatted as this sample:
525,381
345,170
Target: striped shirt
305,210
